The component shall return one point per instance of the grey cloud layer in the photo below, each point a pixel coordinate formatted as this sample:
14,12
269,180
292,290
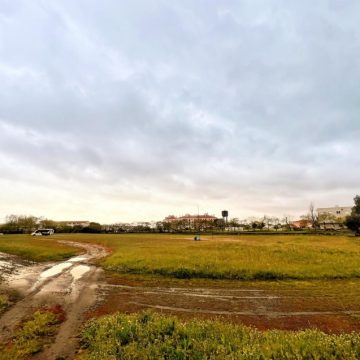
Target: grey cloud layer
249,102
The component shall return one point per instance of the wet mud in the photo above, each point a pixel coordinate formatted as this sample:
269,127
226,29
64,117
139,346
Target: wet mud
73,284
331,306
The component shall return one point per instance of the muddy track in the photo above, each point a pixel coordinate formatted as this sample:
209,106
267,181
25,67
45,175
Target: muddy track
331,306
266,313
72,284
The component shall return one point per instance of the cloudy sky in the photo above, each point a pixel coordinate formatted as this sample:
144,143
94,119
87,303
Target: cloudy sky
121,111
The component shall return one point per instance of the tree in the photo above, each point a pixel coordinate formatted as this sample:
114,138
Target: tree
276,223
261,225
353,221
286,222
267,222
313,216
356,208
92,228
257,225
234,223
18,224
48,224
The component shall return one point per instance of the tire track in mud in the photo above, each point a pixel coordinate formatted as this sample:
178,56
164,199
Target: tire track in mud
284,306
247,313
72,284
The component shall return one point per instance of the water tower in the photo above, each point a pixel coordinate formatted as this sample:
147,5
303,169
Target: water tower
225,215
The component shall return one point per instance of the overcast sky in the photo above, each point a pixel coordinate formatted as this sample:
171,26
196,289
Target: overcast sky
121,111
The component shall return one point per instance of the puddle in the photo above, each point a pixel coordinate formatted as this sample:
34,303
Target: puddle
9,265
79,271
5,265
210,296
77,259
247,313
55,270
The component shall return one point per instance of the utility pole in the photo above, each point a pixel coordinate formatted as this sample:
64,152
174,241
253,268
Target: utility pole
197,236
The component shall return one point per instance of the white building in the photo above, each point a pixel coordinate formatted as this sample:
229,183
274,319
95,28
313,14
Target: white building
337,211
72,223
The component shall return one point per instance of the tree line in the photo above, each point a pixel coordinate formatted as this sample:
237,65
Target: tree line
25,224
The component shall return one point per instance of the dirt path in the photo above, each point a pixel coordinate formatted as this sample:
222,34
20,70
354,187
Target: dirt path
72,284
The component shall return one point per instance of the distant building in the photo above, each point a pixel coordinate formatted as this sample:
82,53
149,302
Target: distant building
189,222
302,224
330,225
190,218
337,211
75,223
149,224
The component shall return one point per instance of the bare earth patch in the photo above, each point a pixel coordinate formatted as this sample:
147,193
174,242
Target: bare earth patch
331,306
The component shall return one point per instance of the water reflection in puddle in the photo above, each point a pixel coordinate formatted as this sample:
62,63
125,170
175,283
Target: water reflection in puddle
79,271
57,269
77,259
5,264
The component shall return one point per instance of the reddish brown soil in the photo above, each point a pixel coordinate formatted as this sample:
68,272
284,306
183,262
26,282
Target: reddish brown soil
331,306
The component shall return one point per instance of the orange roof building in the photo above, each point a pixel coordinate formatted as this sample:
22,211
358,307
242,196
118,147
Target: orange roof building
190,218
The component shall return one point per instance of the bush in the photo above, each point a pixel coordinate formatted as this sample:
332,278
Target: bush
353,223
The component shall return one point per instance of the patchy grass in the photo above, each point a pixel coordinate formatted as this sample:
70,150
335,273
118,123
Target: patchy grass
7,298
36,248
4,303
153,336
33,334
244,257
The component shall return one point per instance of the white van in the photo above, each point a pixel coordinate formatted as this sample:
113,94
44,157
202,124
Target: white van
43,232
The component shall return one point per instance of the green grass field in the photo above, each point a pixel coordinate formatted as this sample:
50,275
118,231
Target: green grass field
35,248
154,336
244,257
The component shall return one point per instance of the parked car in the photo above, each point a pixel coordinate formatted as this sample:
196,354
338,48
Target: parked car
43,232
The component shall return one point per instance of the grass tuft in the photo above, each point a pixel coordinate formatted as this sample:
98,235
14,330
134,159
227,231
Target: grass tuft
4,303
33,334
